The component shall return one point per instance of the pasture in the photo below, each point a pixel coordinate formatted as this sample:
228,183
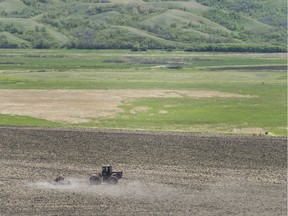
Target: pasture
153,90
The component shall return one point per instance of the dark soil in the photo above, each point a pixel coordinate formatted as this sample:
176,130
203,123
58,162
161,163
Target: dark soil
163,173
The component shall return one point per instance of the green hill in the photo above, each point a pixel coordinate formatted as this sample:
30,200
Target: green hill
196,25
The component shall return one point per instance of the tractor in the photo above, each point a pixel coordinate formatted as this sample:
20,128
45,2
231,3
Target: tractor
107,176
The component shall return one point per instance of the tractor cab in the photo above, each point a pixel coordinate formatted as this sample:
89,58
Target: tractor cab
107,170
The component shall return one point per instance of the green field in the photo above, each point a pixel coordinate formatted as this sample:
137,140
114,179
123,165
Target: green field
261,76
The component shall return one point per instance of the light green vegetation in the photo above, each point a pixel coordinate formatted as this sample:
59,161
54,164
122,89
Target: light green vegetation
262,76
209,115
14,120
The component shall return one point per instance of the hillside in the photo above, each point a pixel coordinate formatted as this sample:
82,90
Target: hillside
196,25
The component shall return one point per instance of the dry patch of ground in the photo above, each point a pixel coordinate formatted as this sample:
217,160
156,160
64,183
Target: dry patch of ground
139,109
254,130
77,106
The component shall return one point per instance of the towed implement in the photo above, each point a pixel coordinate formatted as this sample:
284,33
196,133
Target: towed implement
106,176
59,181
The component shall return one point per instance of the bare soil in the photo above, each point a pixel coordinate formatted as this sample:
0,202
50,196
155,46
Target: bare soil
164,173
75,106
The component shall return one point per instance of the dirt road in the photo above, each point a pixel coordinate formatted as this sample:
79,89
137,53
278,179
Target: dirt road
164,173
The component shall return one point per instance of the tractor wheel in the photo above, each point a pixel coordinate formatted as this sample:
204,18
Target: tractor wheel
113,180
95,180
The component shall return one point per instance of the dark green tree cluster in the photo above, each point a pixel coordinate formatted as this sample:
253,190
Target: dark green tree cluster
264,48
228,20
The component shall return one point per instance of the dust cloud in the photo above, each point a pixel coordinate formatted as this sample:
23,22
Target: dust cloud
228,196
128,190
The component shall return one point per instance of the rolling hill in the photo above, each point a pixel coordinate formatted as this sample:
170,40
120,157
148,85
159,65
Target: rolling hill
197,25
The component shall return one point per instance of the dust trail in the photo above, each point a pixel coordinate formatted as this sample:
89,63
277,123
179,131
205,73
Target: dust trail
129,190
229,196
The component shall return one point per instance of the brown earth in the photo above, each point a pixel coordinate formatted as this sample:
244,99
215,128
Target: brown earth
164,173
76,106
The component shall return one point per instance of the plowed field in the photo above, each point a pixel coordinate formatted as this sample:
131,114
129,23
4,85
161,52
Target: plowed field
164,173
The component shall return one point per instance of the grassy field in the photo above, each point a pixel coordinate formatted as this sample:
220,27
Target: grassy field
262,77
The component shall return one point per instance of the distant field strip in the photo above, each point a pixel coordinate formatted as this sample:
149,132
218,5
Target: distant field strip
153,90
76,106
